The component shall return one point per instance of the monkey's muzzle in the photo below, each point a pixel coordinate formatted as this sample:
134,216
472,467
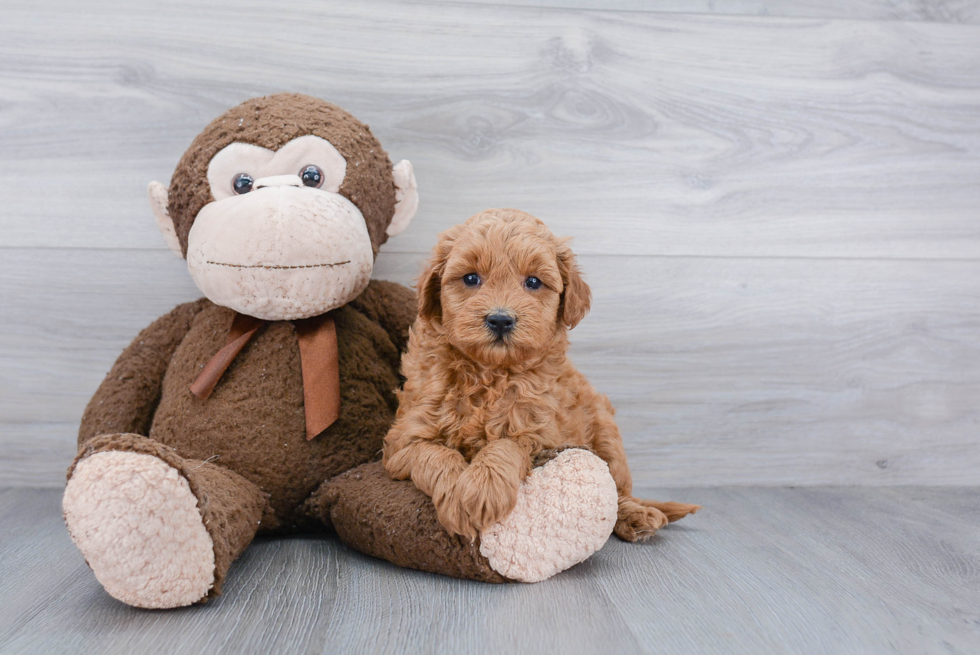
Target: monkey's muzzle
281,252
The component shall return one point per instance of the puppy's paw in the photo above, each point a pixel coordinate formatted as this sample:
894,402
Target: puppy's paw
451,512
635,521
486,494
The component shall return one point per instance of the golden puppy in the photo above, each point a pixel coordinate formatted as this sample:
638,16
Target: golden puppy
488,384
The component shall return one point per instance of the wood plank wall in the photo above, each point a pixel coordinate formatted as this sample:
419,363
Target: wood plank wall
777,203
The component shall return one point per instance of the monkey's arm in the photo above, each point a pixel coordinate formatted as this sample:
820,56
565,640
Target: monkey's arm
127,399
391,305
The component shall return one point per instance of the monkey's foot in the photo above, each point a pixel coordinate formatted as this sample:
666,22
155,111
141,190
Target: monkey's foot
565,511
138,525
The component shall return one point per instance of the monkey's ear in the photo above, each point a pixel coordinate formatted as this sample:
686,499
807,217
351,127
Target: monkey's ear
406,197
158,203
576,297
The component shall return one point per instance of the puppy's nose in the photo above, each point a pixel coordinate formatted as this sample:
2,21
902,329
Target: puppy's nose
500,323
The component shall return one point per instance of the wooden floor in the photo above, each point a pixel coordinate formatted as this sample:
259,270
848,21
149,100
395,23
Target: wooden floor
759,570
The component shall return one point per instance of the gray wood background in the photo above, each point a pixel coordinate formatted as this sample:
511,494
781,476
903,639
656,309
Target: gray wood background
777,203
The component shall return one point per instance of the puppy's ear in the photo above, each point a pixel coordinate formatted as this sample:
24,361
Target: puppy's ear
429,288
576,297
429,285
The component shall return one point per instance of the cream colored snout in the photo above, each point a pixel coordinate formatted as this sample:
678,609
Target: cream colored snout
281,251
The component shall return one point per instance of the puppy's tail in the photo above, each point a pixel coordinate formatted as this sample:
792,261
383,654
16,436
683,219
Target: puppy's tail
673,511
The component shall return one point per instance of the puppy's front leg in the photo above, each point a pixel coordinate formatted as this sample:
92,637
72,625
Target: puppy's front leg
411,450
435,470
487,489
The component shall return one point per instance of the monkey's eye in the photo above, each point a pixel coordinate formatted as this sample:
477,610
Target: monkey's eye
532,283
242,183
312,176
471,280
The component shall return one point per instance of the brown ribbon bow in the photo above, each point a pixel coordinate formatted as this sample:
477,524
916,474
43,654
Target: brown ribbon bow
319,360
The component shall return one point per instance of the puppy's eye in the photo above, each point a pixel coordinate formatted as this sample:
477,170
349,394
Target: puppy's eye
242,183
471,280
532,283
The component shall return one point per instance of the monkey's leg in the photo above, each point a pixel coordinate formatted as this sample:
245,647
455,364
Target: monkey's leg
565,511
158,530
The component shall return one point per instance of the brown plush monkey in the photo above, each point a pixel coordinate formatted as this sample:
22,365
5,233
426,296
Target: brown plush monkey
231,414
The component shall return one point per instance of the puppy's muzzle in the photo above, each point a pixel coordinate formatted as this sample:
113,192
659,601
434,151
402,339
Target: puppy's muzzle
500,323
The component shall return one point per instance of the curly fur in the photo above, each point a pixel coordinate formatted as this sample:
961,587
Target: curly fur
476,409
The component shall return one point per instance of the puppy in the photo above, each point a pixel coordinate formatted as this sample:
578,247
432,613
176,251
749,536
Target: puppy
488,384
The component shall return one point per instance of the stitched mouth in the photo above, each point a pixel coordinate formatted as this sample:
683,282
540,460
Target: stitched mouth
277,267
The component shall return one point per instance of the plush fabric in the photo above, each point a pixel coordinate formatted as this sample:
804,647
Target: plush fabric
236,243
242,329
231,508
318,355
270,122
260,163
137,522
127,399
406,197
565,511
243,452
158,204
395,521
254,421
